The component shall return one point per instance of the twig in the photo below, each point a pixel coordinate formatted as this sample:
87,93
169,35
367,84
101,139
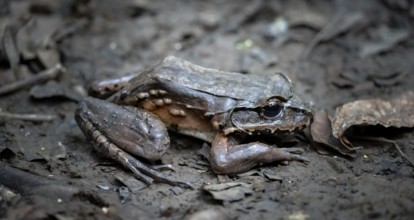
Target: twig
339,24
388,141
27,117
40,77
70,30
11,51
31,184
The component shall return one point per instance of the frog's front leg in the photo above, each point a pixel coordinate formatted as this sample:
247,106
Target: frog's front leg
119,131
227,156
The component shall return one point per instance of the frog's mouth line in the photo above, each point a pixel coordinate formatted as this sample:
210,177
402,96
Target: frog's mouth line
256,130
268,131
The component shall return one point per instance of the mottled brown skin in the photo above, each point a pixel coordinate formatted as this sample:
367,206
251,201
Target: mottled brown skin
219,107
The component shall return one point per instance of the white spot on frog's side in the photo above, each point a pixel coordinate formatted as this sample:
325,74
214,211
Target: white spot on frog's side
142,95
177,112
153,92
182,113
174,112
167,100
100,139
88,125
95,134
159,102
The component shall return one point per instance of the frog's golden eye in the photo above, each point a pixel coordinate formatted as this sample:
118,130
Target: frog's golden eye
272,109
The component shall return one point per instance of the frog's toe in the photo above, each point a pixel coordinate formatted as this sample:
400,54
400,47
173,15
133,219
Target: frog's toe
294,150
150,174
291,154
139,175
155,174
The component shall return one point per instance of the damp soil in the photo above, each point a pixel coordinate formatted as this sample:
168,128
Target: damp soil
334,52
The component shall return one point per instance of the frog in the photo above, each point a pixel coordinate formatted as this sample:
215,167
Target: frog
129,117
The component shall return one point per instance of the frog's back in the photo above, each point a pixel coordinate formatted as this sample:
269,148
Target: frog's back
249,87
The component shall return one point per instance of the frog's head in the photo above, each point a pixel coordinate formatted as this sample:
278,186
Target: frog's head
275,115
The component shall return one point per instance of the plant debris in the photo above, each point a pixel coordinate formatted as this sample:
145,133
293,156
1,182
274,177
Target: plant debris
322,134
27,117
388,39
53,89
45,75
11,52
132,183
231,191
397,112
342,22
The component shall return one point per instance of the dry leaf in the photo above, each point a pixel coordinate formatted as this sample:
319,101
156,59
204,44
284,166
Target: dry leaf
232,191
322,134
397,112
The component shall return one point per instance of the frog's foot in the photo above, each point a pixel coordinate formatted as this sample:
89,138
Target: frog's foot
290,154
117,132
141,171
148,174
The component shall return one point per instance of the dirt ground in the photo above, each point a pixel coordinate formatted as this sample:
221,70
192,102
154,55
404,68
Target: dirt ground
334,52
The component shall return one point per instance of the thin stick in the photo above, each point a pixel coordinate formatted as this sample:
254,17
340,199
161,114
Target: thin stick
30,184
388,141
27,117
70,30
11,51
38,78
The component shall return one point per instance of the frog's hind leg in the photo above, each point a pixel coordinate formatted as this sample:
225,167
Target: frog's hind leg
110,150
140,170
227,156
119,131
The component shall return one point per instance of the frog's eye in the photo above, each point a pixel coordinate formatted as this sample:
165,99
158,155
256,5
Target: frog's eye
272,109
